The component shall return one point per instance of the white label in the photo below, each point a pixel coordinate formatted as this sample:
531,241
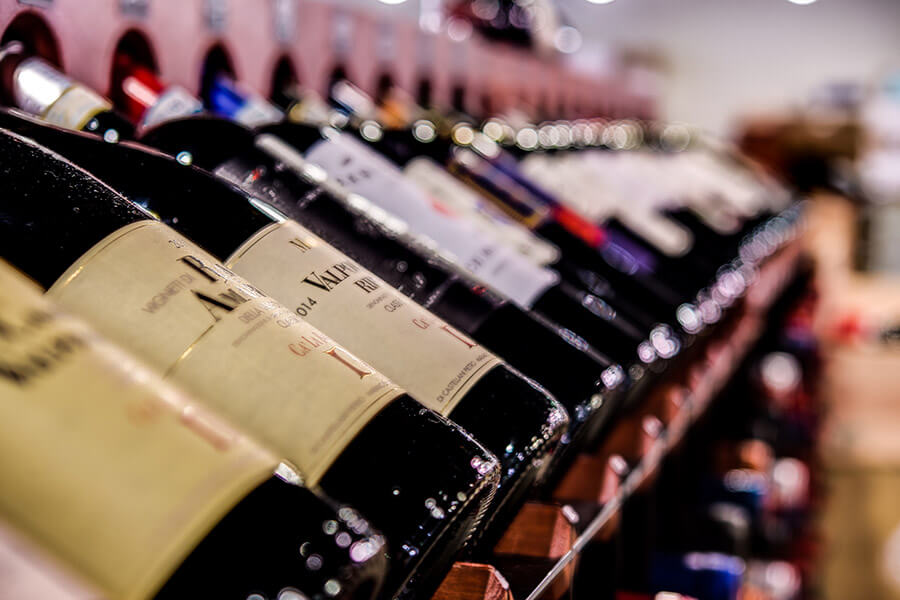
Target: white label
173,103
441,185
76,107
115,472
436,363
248,356
372,176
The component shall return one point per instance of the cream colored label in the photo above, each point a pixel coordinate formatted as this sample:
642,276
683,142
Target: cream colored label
454,194
76,107
252,359
117,473
436,363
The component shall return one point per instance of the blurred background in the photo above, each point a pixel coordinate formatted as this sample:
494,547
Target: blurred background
715,62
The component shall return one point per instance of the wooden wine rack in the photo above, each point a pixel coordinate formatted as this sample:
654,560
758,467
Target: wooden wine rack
625,463
311,40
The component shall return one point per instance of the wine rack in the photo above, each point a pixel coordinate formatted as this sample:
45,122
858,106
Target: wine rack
264,40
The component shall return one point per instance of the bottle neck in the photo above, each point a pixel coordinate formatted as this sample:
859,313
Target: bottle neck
39,88
226,99
146,100
37,85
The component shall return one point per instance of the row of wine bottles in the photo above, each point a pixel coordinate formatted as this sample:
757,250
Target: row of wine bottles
411,319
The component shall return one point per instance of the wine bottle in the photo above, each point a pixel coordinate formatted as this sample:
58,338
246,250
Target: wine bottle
363,171
174,503
440,367
350,432
586,382
37,87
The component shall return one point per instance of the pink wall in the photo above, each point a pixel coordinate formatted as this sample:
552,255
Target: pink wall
180,35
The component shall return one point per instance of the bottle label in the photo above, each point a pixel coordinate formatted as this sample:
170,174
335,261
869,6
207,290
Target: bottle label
117,473
441,185
252,359
368,174
173,103
436,363
76,107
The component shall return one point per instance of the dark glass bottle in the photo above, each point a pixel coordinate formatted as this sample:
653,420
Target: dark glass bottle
37,87
510,415
256,519
420,479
